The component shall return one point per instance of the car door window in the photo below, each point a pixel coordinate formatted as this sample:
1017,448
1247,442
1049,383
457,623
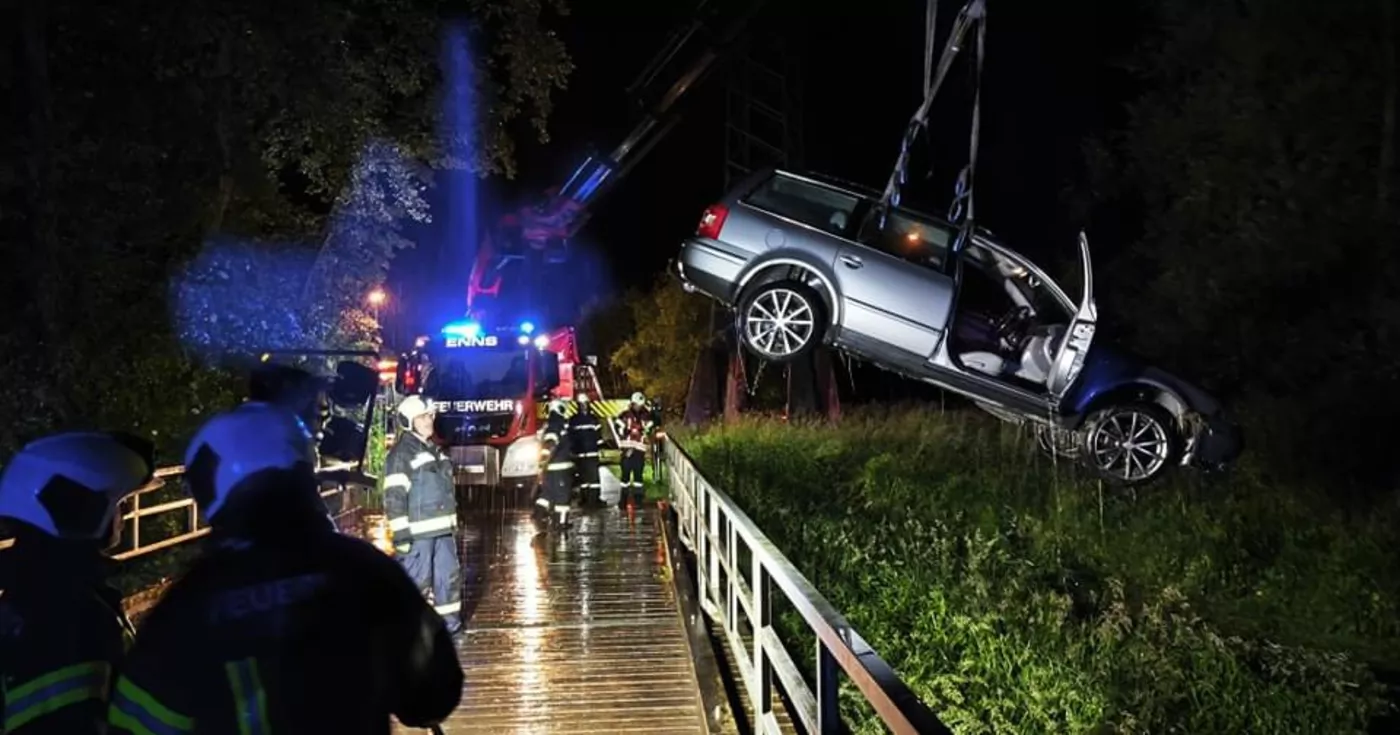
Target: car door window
811,204
910,237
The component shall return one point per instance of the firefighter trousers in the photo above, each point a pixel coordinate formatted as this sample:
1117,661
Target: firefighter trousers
558,484
634,462
589,485
433,565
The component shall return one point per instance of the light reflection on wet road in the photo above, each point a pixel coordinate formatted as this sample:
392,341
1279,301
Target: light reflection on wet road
578,634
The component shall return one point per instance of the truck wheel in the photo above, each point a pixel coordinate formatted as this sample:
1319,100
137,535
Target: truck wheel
781,321
1131,444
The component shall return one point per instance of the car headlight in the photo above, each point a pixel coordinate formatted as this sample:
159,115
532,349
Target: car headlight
522,458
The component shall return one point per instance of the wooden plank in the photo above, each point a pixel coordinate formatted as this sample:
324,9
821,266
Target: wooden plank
579,634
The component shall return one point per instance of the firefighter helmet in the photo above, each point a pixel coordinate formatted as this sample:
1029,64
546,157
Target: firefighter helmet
556,406
638,399
582,398
412,407
69,485
237,444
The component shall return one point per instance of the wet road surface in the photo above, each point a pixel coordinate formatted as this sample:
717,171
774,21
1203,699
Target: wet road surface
579,634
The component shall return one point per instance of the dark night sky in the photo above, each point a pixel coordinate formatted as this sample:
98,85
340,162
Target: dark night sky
1046,86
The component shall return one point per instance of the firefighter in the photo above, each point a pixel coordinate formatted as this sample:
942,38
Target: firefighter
281,612
421,503
62,630
583,429
553,503
633,427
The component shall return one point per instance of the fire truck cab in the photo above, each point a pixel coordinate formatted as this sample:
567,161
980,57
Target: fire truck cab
489,388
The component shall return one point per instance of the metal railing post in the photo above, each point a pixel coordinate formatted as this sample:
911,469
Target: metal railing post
828,692
136,522
762,693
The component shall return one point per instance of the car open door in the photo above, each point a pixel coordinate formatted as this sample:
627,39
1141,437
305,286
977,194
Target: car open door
1069,359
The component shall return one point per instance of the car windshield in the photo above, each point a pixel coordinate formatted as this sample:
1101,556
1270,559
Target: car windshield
469,374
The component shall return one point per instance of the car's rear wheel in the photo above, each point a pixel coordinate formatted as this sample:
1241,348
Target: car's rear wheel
1131,443
781,321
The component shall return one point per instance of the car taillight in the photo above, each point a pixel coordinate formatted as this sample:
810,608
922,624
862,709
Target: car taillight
712,221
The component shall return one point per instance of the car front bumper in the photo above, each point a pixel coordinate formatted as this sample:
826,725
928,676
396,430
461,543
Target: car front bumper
1218,442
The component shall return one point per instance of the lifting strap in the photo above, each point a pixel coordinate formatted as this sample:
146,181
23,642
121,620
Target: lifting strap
974,12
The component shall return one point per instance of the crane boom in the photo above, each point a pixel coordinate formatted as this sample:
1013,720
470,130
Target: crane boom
544,228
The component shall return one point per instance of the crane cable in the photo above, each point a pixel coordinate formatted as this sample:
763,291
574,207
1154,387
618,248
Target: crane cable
975,11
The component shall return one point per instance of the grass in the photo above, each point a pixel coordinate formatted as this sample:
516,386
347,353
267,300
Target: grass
1018,595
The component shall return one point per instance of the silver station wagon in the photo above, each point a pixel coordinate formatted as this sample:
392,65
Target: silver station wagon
804,261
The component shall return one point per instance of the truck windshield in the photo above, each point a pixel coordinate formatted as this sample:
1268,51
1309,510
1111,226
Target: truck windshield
471,374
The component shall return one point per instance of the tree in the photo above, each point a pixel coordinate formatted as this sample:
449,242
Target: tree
670,328
140,131
1259,155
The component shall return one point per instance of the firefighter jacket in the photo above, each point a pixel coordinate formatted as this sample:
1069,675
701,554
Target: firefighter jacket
419,491
62,634
288,627
633,429
557,443
584,430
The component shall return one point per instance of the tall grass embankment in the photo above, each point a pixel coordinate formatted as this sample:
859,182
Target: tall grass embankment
1016,594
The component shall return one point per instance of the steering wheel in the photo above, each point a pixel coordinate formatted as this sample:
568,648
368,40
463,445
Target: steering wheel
1010,328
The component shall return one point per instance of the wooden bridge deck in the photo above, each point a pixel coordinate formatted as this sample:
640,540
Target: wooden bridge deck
574,635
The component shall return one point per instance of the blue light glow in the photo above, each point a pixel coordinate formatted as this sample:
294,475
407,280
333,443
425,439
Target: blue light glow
527,327
523,339
462,329
542,341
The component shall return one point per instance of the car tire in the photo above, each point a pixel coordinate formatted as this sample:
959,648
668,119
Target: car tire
801,317
1131,444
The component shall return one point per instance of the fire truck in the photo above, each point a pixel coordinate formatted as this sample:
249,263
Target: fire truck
491,376
490,388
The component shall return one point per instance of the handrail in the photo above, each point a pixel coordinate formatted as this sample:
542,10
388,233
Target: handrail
713,528
342,474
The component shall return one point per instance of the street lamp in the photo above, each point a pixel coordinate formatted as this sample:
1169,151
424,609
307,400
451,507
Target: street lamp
377,297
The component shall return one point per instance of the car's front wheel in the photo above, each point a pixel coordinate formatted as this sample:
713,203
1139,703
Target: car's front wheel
1131,443
781,321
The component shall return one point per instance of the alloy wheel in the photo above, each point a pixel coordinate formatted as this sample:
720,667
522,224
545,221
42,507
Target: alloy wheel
1130,445
779,323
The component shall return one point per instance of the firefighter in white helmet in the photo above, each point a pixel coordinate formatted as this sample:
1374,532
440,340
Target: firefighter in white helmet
584,429
557,447
420,498
62,630
633,434
253,638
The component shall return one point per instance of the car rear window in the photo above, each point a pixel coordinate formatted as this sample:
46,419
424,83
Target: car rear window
811,204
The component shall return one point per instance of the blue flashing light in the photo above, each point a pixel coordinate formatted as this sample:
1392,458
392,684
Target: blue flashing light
527,327
462,329
541,341
523,339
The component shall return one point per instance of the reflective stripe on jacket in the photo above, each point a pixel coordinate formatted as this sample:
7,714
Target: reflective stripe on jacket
419,490
62,632
558,444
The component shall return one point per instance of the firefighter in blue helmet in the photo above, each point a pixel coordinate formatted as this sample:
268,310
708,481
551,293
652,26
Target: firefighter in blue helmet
281,612
584,428
553,503
634,428
421,502
62,630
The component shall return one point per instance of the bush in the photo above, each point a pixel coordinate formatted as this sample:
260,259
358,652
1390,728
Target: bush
1016,595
